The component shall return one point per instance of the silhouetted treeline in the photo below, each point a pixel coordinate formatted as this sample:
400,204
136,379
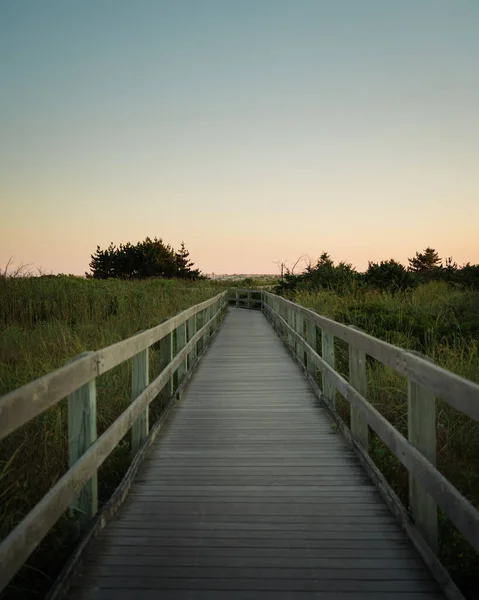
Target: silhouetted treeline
150,258
387,275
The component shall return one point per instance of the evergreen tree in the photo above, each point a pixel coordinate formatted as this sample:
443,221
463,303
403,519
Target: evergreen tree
150,258
425,262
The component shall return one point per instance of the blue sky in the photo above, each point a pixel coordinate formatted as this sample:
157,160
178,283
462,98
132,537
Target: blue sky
256,131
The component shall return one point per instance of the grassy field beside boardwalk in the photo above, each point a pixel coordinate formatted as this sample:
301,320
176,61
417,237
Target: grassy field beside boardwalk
44,322
442,322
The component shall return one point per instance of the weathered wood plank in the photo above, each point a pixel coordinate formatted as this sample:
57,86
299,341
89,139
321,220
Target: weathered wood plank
191,330
81,435
422,435
327,352
357,378
180,344
139,382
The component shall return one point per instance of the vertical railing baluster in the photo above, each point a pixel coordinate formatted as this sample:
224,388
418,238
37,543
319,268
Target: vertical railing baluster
191,333
180,344
422,435
357,378
81,435
139,381
327,352
166,356
311,339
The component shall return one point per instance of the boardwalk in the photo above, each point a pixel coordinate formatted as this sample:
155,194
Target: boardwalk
249,493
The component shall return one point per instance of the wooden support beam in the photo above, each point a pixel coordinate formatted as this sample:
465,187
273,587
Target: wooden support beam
357,378
191,330
311,339
422,435
180,344
81,435
166,356
139,382
327,352
298,326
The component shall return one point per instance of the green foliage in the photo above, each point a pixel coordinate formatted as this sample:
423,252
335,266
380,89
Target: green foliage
150,258
389,275
425,262
324,274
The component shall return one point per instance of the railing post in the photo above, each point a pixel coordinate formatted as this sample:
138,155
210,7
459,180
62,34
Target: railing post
290,320
191,332
357,378
180,344
81,435
166,356
422,435
299,329
237,298
139,381
208,328
311,339
200,321
327,352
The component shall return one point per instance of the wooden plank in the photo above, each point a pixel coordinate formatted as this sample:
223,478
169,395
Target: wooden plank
191,330
357,378
233,594
312,342
139,382
166,356
422,435
81,435
457,391
299,348
21,542
180,344
327,352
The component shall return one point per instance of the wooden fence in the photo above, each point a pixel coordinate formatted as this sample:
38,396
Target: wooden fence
310,338
192,328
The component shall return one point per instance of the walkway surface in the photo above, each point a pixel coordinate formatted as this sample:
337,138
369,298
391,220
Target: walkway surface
250,494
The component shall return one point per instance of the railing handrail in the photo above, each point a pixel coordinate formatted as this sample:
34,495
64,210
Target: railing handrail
425,374
26,536
23,404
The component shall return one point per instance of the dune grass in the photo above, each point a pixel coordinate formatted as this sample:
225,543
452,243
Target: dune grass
441,322
44,322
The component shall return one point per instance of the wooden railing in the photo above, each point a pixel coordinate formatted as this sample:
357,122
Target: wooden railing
193,329
245,298
428,488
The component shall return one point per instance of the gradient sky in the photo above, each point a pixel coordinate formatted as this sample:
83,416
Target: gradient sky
254,130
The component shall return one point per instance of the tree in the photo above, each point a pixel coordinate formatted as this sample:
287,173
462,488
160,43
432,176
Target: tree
149,258
389,275
425,262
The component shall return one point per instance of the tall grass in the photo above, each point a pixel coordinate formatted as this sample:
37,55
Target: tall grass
44,322
441,322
